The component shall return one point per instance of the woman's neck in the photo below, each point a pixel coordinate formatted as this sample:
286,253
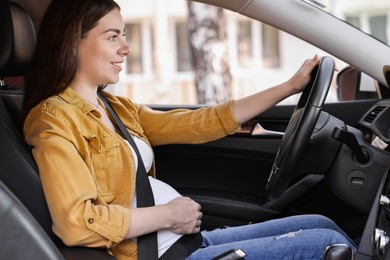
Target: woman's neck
87,93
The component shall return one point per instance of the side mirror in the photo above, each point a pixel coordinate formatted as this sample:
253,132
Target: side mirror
352,84
386,73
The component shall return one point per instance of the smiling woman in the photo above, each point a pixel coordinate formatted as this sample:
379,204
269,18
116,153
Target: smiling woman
100,55
90,173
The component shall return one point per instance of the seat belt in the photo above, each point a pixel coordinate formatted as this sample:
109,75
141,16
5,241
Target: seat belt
146,244
183,247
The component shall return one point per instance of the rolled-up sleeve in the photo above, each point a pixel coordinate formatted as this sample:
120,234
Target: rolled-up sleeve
80,215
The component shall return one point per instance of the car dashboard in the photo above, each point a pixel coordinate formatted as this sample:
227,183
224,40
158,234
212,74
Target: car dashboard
377,120
375,242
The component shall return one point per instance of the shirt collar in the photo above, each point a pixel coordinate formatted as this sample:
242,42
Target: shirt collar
71,97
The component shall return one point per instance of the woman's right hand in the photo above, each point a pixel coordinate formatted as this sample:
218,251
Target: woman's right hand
185,217
301,78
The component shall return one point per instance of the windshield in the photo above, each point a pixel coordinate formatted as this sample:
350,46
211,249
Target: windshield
369,16
253,55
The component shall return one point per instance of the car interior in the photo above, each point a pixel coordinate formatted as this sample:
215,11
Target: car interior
25,228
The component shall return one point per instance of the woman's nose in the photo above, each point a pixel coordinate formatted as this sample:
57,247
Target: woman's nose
125,49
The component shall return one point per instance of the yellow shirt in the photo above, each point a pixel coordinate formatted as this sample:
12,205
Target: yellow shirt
88,171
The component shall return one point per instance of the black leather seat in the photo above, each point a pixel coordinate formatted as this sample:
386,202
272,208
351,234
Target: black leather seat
22,201
21,235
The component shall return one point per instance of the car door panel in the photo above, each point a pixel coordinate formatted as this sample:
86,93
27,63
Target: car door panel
226,177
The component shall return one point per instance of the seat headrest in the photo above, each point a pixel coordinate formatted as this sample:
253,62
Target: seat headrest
17,39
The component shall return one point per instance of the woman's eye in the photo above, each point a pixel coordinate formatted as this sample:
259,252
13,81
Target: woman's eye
113,38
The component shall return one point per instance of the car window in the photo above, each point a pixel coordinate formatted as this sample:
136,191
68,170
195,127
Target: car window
159,69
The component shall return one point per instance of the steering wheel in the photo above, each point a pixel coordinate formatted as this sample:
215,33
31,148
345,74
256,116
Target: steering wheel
300,128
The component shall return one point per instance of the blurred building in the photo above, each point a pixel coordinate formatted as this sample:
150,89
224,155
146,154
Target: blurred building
158,71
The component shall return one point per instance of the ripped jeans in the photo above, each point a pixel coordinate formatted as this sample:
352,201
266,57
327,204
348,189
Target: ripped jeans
296,237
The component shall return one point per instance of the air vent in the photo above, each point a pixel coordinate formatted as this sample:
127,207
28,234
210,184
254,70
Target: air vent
374,114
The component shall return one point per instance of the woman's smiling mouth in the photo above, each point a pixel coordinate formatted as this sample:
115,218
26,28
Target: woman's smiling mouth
117,65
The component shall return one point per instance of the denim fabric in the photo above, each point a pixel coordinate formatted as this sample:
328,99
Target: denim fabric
297,237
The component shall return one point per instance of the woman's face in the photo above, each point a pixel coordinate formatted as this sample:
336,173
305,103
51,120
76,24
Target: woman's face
101,53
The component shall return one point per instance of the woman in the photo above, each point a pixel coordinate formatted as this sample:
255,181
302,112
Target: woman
88,169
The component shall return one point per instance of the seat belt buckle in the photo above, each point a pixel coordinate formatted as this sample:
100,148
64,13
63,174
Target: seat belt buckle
232,254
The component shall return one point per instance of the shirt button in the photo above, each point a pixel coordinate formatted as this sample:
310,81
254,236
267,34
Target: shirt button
90,220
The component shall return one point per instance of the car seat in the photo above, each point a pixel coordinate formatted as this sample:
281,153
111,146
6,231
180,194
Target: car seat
20,187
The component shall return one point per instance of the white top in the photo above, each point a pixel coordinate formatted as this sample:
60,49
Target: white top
162,193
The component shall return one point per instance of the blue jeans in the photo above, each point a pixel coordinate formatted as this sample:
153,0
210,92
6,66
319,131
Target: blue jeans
297,237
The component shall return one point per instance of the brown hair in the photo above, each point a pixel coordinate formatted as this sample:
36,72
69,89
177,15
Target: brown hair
54,62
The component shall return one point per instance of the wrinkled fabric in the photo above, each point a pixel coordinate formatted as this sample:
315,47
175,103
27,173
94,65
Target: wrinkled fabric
297,237
88,171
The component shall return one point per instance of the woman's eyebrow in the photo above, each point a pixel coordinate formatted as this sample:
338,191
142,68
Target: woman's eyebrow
112,30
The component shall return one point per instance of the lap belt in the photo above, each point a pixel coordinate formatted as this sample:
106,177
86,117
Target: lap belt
183,247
